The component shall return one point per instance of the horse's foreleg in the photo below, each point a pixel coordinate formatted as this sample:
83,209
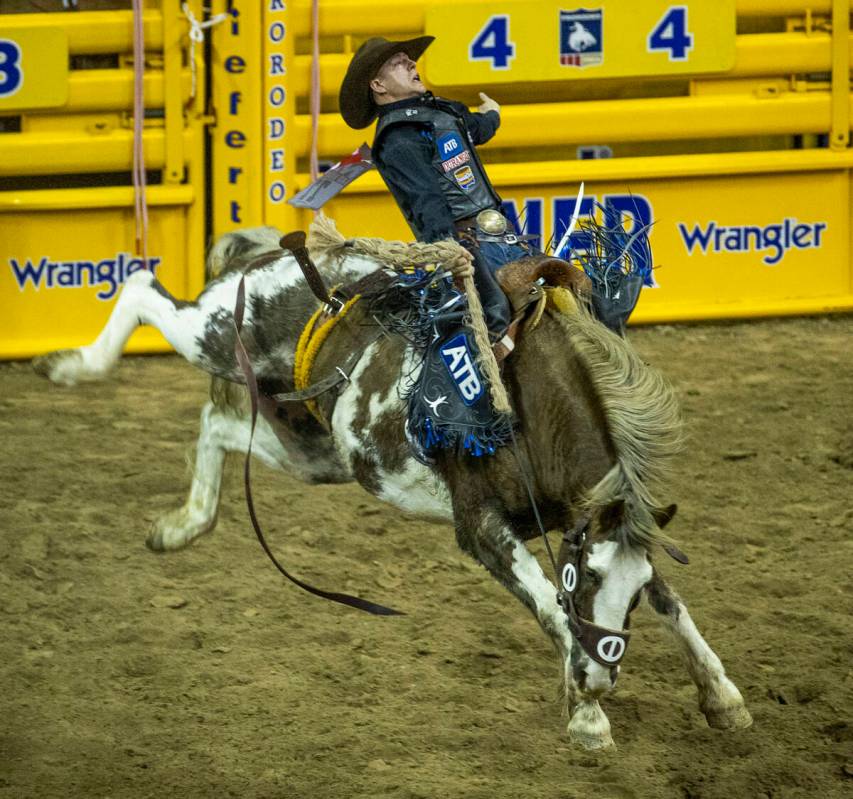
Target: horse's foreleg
719,698
486,536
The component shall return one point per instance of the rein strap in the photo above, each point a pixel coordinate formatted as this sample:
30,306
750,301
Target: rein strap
252,385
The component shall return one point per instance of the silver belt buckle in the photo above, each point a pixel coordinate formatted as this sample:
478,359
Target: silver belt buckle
510,238
491,222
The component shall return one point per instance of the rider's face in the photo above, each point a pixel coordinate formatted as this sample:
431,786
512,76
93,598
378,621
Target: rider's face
398,79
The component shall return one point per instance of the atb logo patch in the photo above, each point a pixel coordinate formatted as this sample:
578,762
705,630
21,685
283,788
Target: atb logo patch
465,178
582,37
449,145
570,577
456,355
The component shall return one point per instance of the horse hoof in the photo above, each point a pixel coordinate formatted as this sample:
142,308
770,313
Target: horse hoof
592,743
733,717
160,540
177,529
59,366
590,728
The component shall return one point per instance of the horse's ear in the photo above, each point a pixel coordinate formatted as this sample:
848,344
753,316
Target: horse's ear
612,515
663,516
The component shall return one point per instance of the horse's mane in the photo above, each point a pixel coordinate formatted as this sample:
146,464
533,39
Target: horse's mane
643,418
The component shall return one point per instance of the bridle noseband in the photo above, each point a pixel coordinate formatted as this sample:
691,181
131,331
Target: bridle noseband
604,645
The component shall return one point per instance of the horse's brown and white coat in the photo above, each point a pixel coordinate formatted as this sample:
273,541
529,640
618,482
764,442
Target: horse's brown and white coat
594,424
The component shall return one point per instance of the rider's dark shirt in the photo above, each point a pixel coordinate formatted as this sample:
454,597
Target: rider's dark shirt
405,162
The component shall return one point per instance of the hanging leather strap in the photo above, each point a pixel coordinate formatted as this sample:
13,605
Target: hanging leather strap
252,385
295,243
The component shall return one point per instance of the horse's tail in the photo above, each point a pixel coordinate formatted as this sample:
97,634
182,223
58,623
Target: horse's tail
236,249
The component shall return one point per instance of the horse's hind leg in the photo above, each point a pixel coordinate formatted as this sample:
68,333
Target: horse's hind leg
143,301
719,698
485,534
137,302
198,514
225,428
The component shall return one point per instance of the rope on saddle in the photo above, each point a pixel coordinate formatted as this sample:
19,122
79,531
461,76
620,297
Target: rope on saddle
252,385
310,341
323,236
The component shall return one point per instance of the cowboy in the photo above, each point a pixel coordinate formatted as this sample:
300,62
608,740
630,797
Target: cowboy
425,150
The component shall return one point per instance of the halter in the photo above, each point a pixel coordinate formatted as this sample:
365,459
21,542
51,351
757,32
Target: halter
603,644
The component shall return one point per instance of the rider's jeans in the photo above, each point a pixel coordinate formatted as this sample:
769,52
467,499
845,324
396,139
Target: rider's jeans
496,253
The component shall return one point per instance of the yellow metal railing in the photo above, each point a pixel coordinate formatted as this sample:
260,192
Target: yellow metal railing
67,170
763,146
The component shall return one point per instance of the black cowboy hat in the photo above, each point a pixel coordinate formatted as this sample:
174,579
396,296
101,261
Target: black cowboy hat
356,103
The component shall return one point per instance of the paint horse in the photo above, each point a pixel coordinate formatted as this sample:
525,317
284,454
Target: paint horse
595,429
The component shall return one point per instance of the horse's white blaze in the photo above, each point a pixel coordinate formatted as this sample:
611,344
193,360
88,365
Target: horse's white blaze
624,571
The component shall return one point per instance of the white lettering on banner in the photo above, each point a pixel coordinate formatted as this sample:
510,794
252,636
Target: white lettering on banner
108,272
238,135
276,97
633,211
778,238
462,369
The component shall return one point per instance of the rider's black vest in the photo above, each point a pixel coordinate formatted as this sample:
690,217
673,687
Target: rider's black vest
462,178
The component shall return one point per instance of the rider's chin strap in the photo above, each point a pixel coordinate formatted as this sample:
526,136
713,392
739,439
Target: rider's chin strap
252,385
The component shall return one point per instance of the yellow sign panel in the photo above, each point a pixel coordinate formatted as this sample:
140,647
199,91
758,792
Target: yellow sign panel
501,42
61,274
33,68
721,246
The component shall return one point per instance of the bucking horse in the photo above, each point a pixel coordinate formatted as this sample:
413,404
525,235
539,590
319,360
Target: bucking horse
594,430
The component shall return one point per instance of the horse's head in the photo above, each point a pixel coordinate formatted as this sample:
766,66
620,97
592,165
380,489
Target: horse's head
607,565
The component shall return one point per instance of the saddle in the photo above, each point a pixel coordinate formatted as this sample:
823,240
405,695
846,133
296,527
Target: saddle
328,350
524,283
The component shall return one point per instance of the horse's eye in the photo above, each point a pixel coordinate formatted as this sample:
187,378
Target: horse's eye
593,576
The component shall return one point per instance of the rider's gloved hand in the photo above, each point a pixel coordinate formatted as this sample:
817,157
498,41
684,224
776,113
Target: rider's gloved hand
463,265
488,104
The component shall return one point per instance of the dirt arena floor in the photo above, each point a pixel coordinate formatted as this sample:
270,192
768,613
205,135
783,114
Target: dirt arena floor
202,673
